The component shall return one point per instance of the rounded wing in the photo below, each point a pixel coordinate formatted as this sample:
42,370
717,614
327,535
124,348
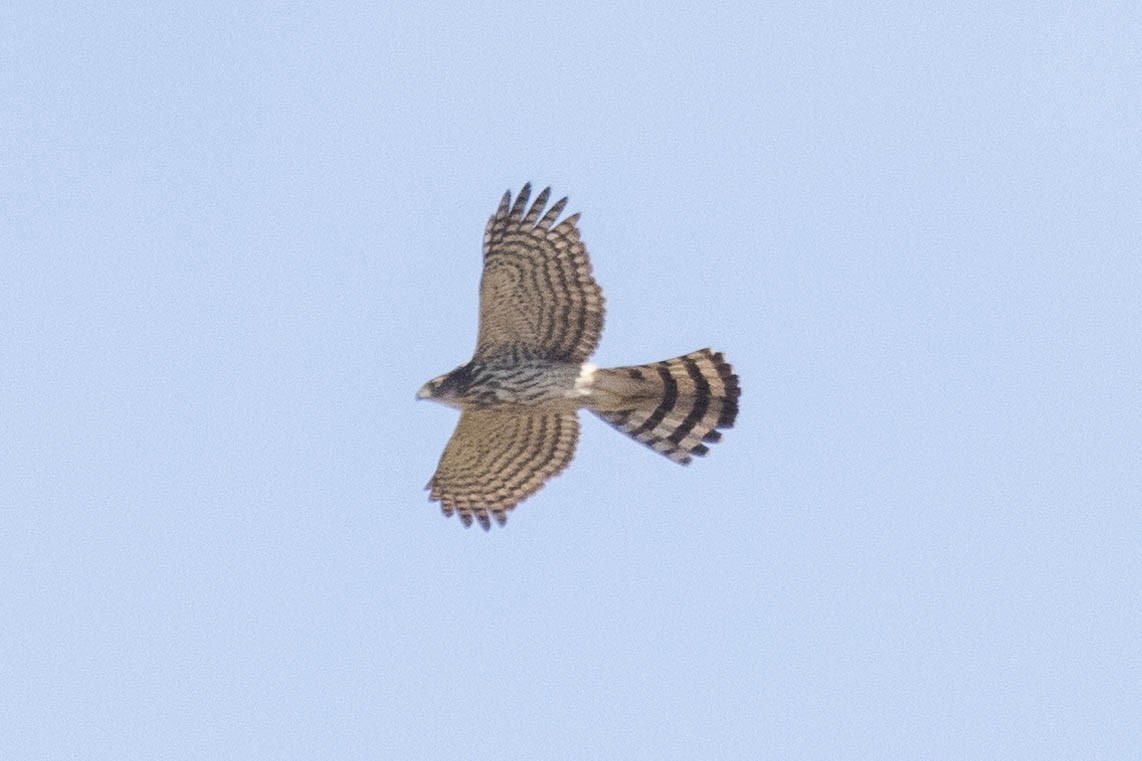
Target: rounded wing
538,297
495,459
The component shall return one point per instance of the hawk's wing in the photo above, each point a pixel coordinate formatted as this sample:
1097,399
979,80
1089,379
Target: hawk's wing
495,459
537,294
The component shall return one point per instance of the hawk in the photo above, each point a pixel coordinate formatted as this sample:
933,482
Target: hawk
541,314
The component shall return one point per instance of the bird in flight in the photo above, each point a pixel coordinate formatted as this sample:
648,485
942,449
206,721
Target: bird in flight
541,315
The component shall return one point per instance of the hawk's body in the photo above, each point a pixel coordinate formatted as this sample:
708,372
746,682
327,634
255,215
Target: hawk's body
541,314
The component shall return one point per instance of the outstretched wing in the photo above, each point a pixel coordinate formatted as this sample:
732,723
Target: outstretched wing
537,294
496,459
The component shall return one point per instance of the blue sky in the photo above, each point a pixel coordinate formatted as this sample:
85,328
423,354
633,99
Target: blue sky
237,238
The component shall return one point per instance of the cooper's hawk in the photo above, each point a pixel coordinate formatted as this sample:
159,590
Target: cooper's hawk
541,313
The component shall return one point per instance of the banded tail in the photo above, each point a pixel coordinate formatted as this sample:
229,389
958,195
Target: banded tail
675,407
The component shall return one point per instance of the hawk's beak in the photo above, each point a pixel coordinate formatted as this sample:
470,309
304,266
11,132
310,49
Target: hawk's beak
425,391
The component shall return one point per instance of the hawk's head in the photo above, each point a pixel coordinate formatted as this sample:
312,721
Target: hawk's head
448,389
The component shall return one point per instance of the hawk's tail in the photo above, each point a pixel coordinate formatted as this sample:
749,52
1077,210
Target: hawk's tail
674,407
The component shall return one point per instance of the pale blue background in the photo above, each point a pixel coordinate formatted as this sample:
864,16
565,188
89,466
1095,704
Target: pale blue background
234,240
